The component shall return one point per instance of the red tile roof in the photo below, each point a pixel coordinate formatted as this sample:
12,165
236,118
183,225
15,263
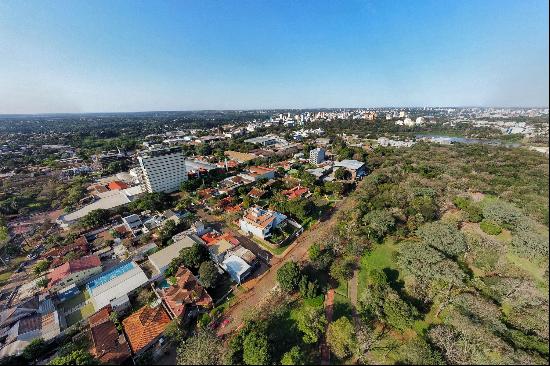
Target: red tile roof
107,345
144,326
80,246
260,170
186,292
213,237
256,192
295,192
77,265
117,185
100,316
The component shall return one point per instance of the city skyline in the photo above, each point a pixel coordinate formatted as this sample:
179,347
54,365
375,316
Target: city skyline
183,56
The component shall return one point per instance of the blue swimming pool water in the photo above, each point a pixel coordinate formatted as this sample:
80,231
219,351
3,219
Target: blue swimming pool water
164,284
109,275
63,296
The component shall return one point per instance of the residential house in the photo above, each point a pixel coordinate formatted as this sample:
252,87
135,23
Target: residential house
107,345
161,259
73,272
145,327
256,173
186,296
356,168
256,193
237,268
117,185
259,222
79,247
132,222
113,286
296,192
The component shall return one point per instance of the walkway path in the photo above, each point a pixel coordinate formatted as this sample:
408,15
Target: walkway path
353,294
329,308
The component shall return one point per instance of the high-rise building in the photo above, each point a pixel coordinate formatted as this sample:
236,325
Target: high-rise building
317,155
163,170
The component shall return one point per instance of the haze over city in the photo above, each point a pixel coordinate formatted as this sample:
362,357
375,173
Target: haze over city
104,56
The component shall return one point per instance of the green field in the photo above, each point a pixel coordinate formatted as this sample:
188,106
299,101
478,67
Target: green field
80,314
342,288
380,257
75,300
272,249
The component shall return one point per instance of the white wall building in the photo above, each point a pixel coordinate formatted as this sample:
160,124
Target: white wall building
317,155
163,170
259,222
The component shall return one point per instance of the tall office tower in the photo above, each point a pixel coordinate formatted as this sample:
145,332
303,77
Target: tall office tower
317,156
163,170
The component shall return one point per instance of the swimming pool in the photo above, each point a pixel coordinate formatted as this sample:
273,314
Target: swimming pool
109,275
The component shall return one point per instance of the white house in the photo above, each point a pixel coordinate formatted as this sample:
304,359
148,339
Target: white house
259,222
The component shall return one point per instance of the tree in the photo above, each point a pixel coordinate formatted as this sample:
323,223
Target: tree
78,357
156,201
490,228
208,273
308,289
314,251
193,257
342,269
381,302
34,349
256,349
377,224
41,267
95,218
294,357
432,270
341,337
203,348
288,276
43,282
342,174
311,321
168,230
502,213
443,237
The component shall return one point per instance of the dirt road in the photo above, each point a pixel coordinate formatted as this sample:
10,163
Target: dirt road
298,251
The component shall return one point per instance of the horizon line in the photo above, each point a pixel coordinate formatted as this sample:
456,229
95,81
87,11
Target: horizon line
261,109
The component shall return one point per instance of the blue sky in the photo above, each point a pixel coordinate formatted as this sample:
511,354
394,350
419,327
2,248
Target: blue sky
87,56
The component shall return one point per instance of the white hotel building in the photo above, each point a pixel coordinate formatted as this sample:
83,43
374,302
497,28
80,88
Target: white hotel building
163,170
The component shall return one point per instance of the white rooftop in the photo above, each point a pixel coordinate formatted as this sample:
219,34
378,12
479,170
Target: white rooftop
161,259
118,286
350,164
235,266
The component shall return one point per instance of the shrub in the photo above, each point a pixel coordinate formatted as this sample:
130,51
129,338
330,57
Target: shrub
490,228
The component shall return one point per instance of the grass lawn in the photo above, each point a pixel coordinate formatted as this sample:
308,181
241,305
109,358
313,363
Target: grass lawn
342,288
342,307
75,300
536,271
5,276
380,257
80,314
270,248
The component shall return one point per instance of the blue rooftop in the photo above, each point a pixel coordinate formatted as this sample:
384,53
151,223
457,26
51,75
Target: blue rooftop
109,275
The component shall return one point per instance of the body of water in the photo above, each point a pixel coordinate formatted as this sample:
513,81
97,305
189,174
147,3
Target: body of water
443,139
